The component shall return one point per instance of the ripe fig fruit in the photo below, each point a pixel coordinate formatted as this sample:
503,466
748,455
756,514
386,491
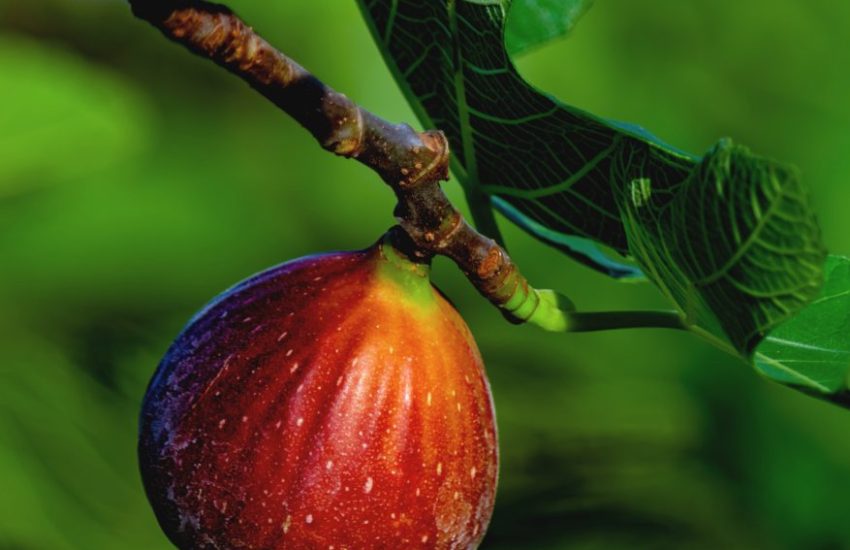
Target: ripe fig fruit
335,401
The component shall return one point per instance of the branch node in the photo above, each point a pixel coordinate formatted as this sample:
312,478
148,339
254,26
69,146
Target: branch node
437,169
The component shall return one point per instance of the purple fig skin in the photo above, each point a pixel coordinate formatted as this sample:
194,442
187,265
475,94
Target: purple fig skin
335,401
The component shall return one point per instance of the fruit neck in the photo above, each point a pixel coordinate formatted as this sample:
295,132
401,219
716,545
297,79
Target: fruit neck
398,267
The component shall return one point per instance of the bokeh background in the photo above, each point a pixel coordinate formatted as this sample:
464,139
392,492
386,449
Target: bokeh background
137,181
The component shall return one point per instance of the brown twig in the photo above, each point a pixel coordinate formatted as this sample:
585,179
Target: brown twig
411,163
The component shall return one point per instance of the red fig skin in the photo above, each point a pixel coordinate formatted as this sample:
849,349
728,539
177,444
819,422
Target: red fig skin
335,401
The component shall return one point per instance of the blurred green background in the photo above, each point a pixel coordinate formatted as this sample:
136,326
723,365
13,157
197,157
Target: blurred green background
137,181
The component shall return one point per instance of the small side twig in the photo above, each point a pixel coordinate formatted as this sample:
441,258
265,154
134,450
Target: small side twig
411,163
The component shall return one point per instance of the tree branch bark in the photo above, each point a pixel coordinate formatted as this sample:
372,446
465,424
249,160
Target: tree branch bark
411,163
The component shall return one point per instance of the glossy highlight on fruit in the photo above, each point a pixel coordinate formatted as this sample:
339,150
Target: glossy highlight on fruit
335,401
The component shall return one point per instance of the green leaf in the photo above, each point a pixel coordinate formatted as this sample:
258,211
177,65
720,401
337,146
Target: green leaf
735,245
553,164
532,23
583,250
730,238
812,350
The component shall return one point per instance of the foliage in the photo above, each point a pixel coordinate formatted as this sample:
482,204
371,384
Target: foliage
533,23
729,238
812,351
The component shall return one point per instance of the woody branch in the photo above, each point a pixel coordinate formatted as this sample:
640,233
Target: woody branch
411,163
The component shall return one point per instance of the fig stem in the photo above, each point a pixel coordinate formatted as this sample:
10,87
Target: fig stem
412,163
609,320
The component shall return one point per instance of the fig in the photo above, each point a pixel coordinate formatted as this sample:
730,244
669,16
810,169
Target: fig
334,401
